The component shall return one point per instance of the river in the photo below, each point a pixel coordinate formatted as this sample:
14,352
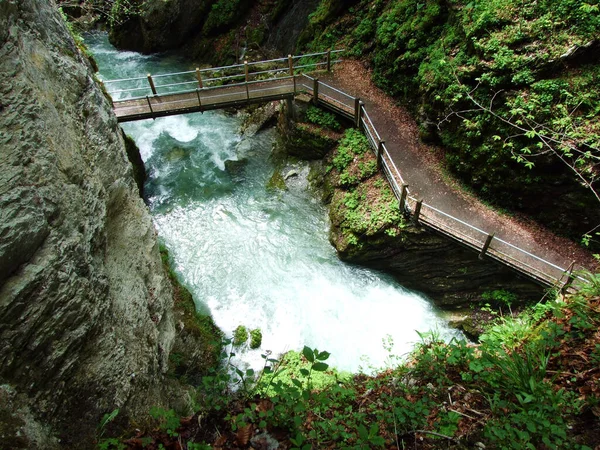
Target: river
255,256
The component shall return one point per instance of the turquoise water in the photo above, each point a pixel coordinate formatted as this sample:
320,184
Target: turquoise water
258,257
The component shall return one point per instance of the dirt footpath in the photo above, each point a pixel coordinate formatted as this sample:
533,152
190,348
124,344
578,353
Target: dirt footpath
421,166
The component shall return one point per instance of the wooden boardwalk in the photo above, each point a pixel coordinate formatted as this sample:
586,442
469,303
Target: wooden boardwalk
198,100
285,82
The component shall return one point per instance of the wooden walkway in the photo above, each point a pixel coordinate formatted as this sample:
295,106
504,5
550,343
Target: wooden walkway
176,97
199,100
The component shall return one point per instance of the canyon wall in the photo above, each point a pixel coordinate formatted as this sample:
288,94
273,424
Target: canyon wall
86,321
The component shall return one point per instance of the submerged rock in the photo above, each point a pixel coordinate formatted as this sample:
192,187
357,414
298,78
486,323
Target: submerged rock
235,167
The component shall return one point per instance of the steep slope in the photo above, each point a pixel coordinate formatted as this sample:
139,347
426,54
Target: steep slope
506,87
86,323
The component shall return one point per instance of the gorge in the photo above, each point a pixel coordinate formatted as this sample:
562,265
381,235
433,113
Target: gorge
87,323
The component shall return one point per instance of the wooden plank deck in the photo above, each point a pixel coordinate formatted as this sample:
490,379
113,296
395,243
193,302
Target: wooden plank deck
199,100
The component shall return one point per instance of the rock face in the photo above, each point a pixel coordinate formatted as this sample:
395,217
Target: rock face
159,25
422,260
86,323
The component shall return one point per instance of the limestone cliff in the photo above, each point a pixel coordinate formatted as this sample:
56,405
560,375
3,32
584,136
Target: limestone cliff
86,323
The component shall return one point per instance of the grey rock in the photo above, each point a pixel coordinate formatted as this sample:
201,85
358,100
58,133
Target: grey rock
86,322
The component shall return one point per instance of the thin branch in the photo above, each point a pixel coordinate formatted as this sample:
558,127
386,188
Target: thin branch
450,438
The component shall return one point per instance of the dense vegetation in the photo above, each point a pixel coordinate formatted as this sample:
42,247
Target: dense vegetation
533,382
508,88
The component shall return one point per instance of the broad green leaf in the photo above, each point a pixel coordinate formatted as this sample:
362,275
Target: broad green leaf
323,356
320,367
308,354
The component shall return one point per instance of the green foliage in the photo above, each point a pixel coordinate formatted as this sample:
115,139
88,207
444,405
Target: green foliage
255,338
510,85
499,391
123,10
322,118
168,420
222,14
240,335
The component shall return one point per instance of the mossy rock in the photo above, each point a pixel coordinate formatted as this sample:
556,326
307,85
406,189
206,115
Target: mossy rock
255,338
307,141
235,167
240,336
276,182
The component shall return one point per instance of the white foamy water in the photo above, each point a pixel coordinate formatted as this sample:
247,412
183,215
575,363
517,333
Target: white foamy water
258,257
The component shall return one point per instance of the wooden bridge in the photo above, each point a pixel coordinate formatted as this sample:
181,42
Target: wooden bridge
258,82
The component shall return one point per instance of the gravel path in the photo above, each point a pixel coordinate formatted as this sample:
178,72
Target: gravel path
421,166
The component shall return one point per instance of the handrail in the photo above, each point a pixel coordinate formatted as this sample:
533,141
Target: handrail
237,66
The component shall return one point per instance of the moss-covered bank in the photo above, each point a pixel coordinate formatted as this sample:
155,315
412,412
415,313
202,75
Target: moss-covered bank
506,87
198,342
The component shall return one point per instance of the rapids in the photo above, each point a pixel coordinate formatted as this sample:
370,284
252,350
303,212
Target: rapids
255,256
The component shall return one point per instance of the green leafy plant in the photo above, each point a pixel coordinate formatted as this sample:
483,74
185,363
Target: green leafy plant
322,118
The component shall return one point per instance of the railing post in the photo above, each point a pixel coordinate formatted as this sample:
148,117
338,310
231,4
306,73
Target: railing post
246,72
316,91
403,195
417,211
150,106
199,77
486,245
328,60
569,280
380,154
358,113
152,84
291,65
198,95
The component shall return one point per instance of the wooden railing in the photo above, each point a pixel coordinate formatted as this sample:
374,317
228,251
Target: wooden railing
485,243
218,77
221,87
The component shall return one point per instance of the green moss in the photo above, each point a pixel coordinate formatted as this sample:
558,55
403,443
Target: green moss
276,182
223,14
201,326
255,338
240,335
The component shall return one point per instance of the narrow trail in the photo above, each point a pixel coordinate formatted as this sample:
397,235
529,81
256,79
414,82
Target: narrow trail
421,166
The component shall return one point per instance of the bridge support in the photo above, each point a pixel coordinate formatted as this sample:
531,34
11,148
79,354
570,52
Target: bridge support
199,101
291,109
150,106
569,280
486,245
358,106
199,77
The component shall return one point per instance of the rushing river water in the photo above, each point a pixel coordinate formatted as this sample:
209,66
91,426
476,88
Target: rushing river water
255,256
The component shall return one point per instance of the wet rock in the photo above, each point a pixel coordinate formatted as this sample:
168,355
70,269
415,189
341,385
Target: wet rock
86,320
260,118
235,167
